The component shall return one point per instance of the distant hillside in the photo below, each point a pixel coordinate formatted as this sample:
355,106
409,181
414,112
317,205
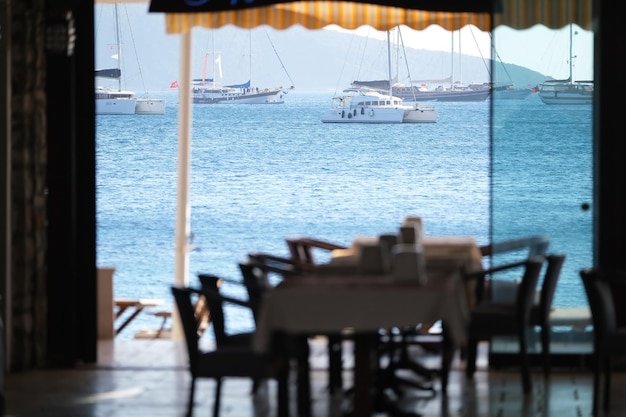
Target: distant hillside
311,60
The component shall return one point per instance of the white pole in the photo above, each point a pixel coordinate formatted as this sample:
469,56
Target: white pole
183,211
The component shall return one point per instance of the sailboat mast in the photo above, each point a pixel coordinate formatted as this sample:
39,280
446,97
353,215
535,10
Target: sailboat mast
214,57
250,53
460,60
389,59
571,65
119,47
206,57
452,59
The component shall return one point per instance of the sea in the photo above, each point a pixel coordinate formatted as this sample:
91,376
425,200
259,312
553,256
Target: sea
260,173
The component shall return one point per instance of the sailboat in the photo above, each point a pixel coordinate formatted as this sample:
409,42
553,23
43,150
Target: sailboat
210,91
366,105
114,100
149,105
507,90
567,91
455,91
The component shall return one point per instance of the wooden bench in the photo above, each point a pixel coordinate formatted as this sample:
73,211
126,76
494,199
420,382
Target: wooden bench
135,306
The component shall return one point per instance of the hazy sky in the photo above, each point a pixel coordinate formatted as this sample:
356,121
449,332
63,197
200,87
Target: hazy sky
538,48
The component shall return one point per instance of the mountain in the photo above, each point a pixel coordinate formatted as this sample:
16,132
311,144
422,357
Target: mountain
314,60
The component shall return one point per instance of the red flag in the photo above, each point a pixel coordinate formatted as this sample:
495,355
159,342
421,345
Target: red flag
174,84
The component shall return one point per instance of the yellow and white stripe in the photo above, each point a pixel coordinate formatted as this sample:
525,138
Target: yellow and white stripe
517,14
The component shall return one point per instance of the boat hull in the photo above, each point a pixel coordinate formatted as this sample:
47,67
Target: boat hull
149,106
569,98
362,106
372,116
429,115
264,97
115,106
566,100
449,95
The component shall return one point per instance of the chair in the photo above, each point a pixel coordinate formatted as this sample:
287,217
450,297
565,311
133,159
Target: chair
256,277
540,312
609,338
225,361
201,310
526,247
491,318
541,308
256,280
212,283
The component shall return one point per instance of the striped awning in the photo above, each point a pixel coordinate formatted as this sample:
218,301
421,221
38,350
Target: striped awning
555,14
182,15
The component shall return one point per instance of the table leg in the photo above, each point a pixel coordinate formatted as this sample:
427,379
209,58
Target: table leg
335,365
303,377
120,311
138,310
447,355
364,363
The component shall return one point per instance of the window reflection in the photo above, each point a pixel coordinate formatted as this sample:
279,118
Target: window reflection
542,153
518,168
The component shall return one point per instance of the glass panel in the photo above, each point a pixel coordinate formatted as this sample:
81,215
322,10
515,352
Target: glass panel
542,149
260,173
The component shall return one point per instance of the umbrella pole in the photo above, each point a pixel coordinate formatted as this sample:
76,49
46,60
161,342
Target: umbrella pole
183,210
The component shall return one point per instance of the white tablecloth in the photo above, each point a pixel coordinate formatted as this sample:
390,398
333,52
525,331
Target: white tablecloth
362,303
342,299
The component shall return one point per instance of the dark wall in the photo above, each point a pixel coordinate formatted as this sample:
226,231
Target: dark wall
609,146
28,158
71,291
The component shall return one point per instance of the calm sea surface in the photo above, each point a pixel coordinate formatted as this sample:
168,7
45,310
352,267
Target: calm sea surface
263,172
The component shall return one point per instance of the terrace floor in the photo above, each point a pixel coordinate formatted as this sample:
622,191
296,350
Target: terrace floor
150,378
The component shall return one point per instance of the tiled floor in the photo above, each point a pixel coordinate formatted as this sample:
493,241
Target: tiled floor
148,378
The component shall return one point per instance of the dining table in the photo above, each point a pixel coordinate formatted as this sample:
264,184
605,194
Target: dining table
339,299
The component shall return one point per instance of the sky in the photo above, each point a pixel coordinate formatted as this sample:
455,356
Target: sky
538,48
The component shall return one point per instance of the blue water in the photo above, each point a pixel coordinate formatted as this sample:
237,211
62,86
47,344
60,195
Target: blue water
261,173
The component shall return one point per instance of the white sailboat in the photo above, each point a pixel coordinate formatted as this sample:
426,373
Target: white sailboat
114,100
145,104
210,91
364,105
507,90
435,90
567,91
149,105
117,100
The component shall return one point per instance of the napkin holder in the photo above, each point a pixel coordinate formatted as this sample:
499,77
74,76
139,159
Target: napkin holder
412,230
408,263
374,259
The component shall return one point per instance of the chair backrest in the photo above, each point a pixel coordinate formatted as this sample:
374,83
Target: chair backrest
257,283
302,248
203,313
526,291
210,286
183,298
532,246
601,303
548,286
